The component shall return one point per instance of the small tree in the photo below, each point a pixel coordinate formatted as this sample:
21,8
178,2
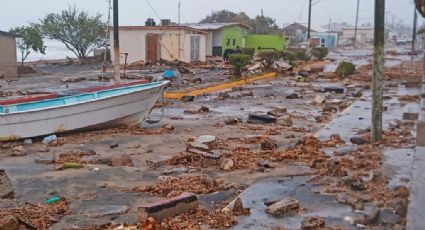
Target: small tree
269,57
28,38
239,61
320,53
345,69
80,33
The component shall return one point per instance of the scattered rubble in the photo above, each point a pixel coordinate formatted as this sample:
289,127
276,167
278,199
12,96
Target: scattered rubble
284,206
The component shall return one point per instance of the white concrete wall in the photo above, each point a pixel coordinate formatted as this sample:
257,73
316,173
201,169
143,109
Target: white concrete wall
209,42
218,38
8,63
133,42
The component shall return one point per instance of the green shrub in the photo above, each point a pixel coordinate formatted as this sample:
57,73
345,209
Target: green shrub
239,61
268,57
299,54
320,53
248,51
345,69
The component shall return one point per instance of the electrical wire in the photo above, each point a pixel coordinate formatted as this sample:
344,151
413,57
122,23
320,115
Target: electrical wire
153,9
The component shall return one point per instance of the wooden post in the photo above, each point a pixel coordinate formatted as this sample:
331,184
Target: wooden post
378,71
116,43
357,21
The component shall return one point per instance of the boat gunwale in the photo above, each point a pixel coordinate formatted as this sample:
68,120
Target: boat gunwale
152,85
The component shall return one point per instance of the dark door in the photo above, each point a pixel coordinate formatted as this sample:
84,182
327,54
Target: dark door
217,51
152,41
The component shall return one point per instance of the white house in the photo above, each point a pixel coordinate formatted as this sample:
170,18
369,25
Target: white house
152,43
364,34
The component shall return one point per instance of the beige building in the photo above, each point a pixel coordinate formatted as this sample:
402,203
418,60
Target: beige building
364,34
8,63
152,43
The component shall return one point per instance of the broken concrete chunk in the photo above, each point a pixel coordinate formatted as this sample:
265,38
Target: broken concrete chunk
277,112
205,154
45,160
107,210
261,119
198,145
167,208
227,164
284,206
411,116
121,160
312,223
206,139
358,140
187,98
232,121
294,96
318,100
285,121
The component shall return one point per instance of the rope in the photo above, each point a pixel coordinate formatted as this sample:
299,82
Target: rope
149,121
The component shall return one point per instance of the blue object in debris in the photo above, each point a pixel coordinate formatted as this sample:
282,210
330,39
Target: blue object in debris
169,74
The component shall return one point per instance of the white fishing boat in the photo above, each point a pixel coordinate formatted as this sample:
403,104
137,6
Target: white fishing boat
99,109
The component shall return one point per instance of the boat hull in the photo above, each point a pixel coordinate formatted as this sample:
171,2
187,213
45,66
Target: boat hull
130,108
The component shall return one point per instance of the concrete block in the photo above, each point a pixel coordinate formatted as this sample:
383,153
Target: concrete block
411,116
167,208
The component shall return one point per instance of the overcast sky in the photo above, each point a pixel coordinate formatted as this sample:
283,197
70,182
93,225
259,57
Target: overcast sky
134,12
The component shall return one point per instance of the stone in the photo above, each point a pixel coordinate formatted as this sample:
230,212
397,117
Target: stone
268,144
264,164
169,127
294,96
9,222
261,119
227,164
187,98
6,187
389,216
206,139
167,208
205,154
358,140
358,94
232,121
285,121
178,170
319,100
204,109
223,96
198,145
343,150
312,223
107,210
277,112
283,207
335,89
113,145
19,151
45,160
121,160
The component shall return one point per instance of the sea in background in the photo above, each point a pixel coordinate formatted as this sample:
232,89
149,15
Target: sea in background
55,50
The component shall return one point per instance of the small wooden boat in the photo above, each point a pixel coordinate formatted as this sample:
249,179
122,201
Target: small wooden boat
107,107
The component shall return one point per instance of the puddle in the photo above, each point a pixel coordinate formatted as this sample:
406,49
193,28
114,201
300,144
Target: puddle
324,206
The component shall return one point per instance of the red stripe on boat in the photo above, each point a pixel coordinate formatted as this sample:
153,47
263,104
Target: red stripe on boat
28,99
54,95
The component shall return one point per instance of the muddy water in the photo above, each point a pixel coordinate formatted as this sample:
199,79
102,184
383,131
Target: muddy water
324,206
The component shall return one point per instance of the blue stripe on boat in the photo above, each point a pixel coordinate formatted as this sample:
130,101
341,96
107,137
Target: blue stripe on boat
75,99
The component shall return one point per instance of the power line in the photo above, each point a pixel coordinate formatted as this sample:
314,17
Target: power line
153,9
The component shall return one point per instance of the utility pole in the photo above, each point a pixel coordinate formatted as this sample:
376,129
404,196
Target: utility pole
116,43
378,71
415,25
357,21
179,40
309,20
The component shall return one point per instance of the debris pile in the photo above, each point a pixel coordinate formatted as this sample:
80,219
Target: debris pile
173,186
33,216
